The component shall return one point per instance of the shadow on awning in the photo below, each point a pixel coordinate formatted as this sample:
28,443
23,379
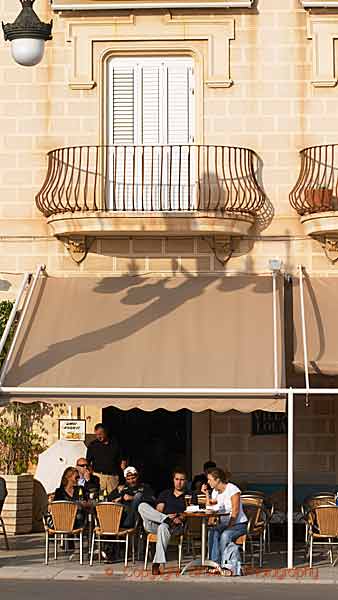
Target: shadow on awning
140,332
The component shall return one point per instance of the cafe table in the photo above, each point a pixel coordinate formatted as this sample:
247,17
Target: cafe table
203,516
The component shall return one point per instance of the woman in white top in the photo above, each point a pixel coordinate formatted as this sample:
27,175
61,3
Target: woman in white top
226,497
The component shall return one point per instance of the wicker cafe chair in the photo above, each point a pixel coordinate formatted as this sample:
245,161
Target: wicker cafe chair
311,502
323,528
257,522
63,515
175,540
253,494
109,515
267,513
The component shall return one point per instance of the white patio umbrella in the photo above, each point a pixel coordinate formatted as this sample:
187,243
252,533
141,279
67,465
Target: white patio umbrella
53,461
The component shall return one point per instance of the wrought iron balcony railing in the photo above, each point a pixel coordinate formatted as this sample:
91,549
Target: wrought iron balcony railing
151,179
317,187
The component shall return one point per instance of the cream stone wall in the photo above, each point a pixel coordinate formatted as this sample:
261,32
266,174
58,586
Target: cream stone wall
263,458
272,106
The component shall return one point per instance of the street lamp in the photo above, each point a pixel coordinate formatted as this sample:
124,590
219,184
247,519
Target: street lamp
27,35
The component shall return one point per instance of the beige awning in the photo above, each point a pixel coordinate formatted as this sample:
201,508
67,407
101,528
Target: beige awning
137,332
321,308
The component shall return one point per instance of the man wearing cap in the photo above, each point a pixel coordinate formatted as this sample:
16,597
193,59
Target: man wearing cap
131,495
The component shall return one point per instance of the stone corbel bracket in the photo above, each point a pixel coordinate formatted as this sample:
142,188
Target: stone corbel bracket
330,247
322,29
217,32
78,247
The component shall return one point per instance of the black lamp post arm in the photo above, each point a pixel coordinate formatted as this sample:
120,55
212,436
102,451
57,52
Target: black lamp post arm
27,25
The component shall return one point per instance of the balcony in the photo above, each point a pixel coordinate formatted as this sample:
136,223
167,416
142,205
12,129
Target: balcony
151,190
315,195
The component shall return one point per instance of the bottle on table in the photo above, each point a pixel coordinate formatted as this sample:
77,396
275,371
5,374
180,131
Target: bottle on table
105,495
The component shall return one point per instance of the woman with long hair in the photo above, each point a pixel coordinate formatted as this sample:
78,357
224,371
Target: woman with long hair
69,488
226,497
70,491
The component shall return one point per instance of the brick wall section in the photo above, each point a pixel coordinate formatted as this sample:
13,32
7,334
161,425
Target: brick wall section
260,459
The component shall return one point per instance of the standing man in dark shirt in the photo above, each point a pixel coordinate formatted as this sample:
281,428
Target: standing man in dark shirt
104,455
166,518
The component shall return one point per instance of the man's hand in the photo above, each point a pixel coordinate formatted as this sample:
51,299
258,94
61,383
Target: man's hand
128,498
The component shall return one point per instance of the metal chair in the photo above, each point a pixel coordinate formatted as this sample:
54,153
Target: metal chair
193,536
311,502
254,510
174,541
323,528
109,515
252,493
3,492
63,514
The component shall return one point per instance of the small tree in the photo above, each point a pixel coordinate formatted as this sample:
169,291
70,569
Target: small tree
22,431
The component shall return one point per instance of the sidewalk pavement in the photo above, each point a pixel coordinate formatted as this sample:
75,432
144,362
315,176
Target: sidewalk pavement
25,560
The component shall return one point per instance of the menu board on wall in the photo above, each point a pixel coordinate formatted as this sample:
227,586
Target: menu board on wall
269,423
72,430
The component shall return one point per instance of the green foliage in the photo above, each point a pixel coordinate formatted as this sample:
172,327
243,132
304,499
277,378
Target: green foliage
5,310
22,433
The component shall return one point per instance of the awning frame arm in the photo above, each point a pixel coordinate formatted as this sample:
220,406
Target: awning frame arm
275,342
5,365
304,334
14,310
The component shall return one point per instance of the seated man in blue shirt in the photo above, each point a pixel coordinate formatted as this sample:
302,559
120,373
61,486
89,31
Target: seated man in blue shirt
166,519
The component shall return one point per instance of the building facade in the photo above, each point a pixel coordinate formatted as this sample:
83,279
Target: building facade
188,80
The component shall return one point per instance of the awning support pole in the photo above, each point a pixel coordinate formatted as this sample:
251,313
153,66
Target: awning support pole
290,476
275,344
304,336
10,321
3,372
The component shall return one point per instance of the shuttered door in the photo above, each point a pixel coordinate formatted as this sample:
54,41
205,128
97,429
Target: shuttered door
179,134
151,106
121,133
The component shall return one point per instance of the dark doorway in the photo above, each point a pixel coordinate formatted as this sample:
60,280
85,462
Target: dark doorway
155,442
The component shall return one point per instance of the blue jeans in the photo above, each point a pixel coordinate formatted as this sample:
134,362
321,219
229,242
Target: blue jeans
220,537
131,510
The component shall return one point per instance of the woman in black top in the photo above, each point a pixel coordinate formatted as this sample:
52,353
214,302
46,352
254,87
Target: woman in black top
71,492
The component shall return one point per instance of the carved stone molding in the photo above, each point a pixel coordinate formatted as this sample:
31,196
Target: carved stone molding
101,5
216,31
323,31
319,4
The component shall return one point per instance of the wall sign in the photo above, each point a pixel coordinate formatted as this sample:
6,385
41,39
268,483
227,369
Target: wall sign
72,430
269,423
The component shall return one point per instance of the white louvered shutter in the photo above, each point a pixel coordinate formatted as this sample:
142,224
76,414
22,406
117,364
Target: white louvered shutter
151,106
179,132
150,133
121,133
123,105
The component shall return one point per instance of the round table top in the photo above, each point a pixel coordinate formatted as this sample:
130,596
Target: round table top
206,513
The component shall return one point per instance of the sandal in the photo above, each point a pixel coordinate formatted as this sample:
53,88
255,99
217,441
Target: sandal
227,572
213,571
